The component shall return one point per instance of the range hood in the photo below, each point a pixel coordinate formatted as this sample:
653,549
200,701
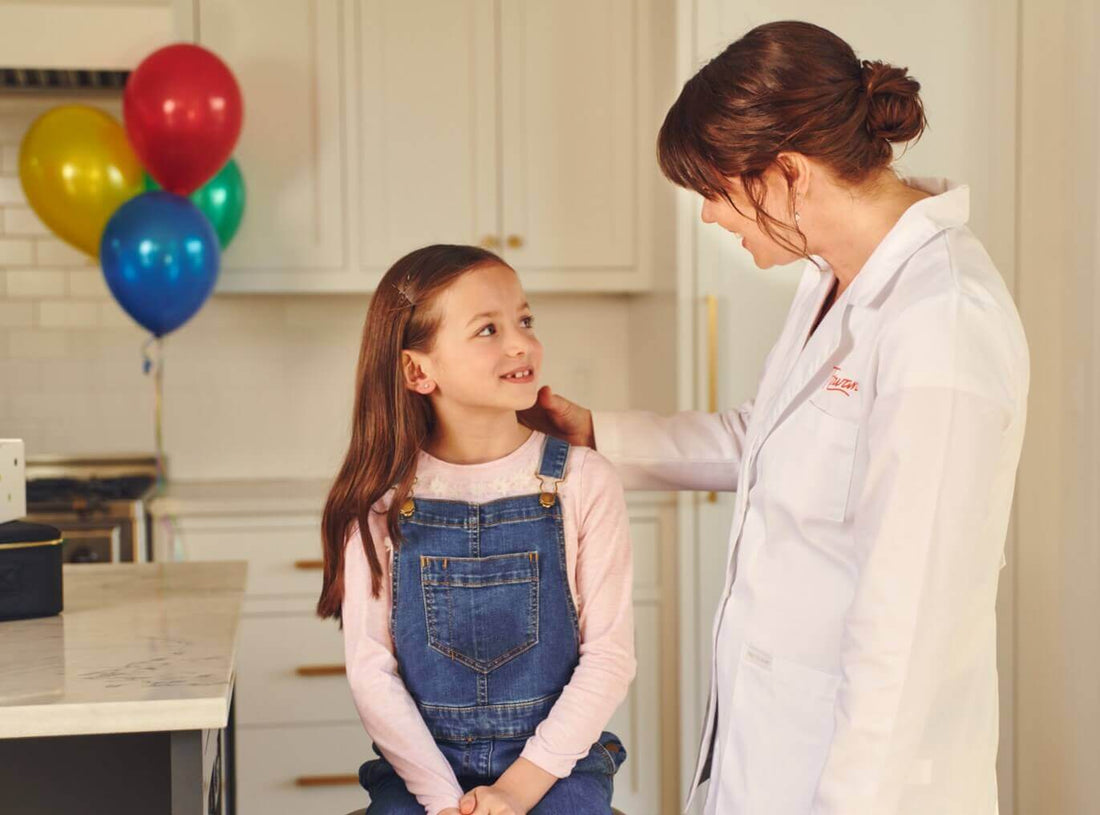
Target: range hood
80,44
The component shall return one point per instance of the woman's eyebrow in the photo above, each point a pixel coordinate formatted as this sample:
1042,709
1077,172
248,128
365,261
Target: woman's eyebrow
482,315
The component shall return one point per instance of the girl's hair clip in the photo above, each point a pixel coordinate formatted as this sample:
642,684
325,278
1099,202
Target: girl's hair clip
401,289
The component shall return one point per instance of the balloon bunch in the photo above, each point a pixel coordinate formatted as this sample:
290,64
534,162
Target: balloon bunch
158,233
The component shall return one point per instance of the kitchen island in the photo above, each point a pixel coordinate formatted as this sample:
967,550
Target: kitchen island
122,704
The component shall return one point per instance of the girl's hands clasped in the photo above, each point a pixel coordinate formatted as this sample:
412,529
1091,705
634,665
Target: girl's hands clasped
490,801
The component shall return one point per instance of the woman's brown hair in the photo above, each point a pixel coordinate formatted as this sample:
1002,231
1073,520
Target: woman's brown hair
390,423
786,87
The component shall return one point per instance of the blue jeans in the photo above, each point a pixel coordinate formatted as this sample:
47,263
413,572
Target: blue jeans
586,791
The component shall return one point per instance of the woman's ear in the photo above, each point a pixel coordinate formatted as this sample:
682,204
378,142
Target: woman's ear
799,171
414,367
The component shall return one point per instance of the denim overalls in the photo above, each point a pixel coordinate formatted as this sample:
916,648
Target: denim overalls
485,633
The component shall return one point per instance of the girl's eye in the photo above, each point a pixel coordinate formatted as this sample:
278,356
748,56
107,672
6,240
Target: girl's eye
490,328
528,322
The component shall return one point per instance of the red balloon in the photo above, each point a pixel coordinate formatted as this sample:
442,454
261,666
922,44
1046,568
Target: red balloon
183,110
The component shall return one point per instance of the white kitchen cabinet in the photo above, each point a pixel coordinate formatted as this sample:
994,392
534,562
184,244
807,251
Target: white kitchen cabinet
288,59
373,127
427,126
569,136
299,739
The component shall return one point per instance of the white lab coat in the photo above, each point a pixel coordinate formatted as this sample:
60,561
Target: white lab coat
855,643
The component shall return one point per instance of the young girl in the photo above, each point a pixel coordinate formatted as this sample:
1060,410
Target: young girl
482,570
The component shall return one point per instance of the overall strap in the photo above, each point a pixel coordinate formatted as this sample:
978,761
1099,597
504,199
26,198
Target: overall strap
554,454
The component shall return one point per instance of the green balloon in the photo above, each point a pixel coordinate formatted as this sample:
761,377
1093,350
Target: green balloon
221,200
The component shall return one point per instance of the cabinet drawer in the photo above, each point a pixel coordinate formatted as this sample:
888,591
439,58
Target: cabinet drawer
290,670
283,553
300,769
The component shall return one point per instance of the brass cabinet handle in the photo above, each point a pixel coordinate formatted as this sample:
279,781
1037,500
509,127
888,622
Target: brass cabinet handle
325,780
515,241
712,365
320,670
309,564
490,242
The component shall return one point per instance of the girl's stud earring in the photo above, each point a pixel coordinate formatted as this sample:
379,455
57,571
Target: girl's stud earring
797,217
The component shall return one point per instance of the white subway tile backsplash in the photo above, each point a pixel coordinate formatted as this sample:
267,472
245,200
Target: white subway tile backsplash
11,192
88,284
16,252
111,316
13,127
55,252
24,221
37,283
9,159
68,314
38,344
16,314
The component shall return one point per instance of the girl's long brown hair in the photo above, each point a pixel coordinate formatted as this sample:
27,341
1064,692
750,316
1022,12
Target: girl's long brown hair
390,423
786,87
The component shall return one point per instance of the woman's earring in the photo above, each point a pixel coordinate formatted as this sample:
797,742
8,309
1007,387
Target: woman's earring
797,217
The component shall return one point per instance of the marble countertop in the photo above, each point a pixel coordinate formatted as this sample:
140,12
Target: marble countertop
140,647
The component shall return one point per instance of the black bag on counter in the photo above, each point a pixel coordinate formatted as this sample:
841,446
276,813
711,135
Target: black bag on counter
30,570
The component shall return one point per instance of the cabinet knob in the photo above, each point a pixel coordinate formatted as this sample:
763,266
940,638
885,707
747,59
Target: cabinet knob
320,670
490,242
325,780
515,241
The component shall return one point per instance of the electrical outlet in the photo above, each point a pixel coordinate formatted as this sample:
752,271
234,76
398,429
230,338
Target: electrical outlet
13,480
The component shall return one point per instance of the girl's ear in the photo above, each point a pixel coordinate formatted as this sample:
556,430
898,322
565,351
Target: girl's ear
413,365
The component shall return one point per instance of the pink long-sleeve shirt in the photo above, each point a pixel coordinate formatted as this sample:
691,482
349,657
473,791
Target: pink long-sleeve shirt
599,566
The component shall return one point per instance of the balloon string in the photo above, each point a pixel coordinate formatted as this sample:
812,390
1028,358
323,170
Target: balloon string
155,364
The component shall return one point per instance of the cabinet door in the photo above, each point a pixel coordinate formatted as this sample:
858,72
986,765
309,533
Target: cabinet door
569,136
426,125
288,58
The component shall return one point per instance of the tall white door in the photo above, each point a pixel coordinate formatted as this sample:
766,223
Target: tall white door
964,56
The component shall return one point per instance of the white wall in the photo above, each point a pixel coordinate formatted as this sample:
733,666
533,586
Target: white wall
1058,514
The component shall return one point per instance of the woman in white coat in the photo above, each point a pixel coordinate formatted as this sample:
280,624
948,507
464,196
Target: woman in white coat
855,665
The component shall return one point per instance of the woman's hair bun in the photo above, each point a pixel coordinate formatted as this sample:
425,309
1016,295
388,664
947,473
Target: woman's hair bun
894,109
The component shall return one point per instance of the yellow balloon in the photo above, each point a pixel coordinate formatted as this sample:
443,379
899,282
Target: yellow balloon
77,168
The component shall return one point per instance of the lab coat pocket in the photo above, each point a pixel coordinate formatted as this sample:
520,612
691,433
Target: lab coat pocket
812,460
783,718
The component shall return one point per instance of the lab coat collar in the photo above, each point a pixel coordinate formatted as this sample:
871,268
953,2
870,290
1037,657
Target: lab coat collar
802,360
948,206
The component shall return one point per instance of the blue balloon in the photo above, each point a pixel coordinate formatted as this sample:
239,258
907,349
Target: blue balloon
160,256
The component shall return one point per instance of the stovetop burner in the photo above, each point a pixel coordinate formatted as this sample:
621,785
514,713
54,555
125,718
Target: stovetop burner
88,490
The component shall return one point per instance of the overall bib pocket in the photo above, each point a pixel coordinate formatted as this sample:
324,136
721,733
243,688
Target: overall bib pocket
481,612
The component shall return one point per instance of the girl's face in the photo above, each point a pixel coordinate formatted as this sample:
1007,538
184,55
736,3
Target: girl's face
485,353
765,251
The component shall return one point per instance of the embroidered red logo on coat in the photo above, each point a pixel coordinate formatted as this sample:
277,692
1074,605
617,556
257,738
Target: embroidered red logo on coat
840,384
